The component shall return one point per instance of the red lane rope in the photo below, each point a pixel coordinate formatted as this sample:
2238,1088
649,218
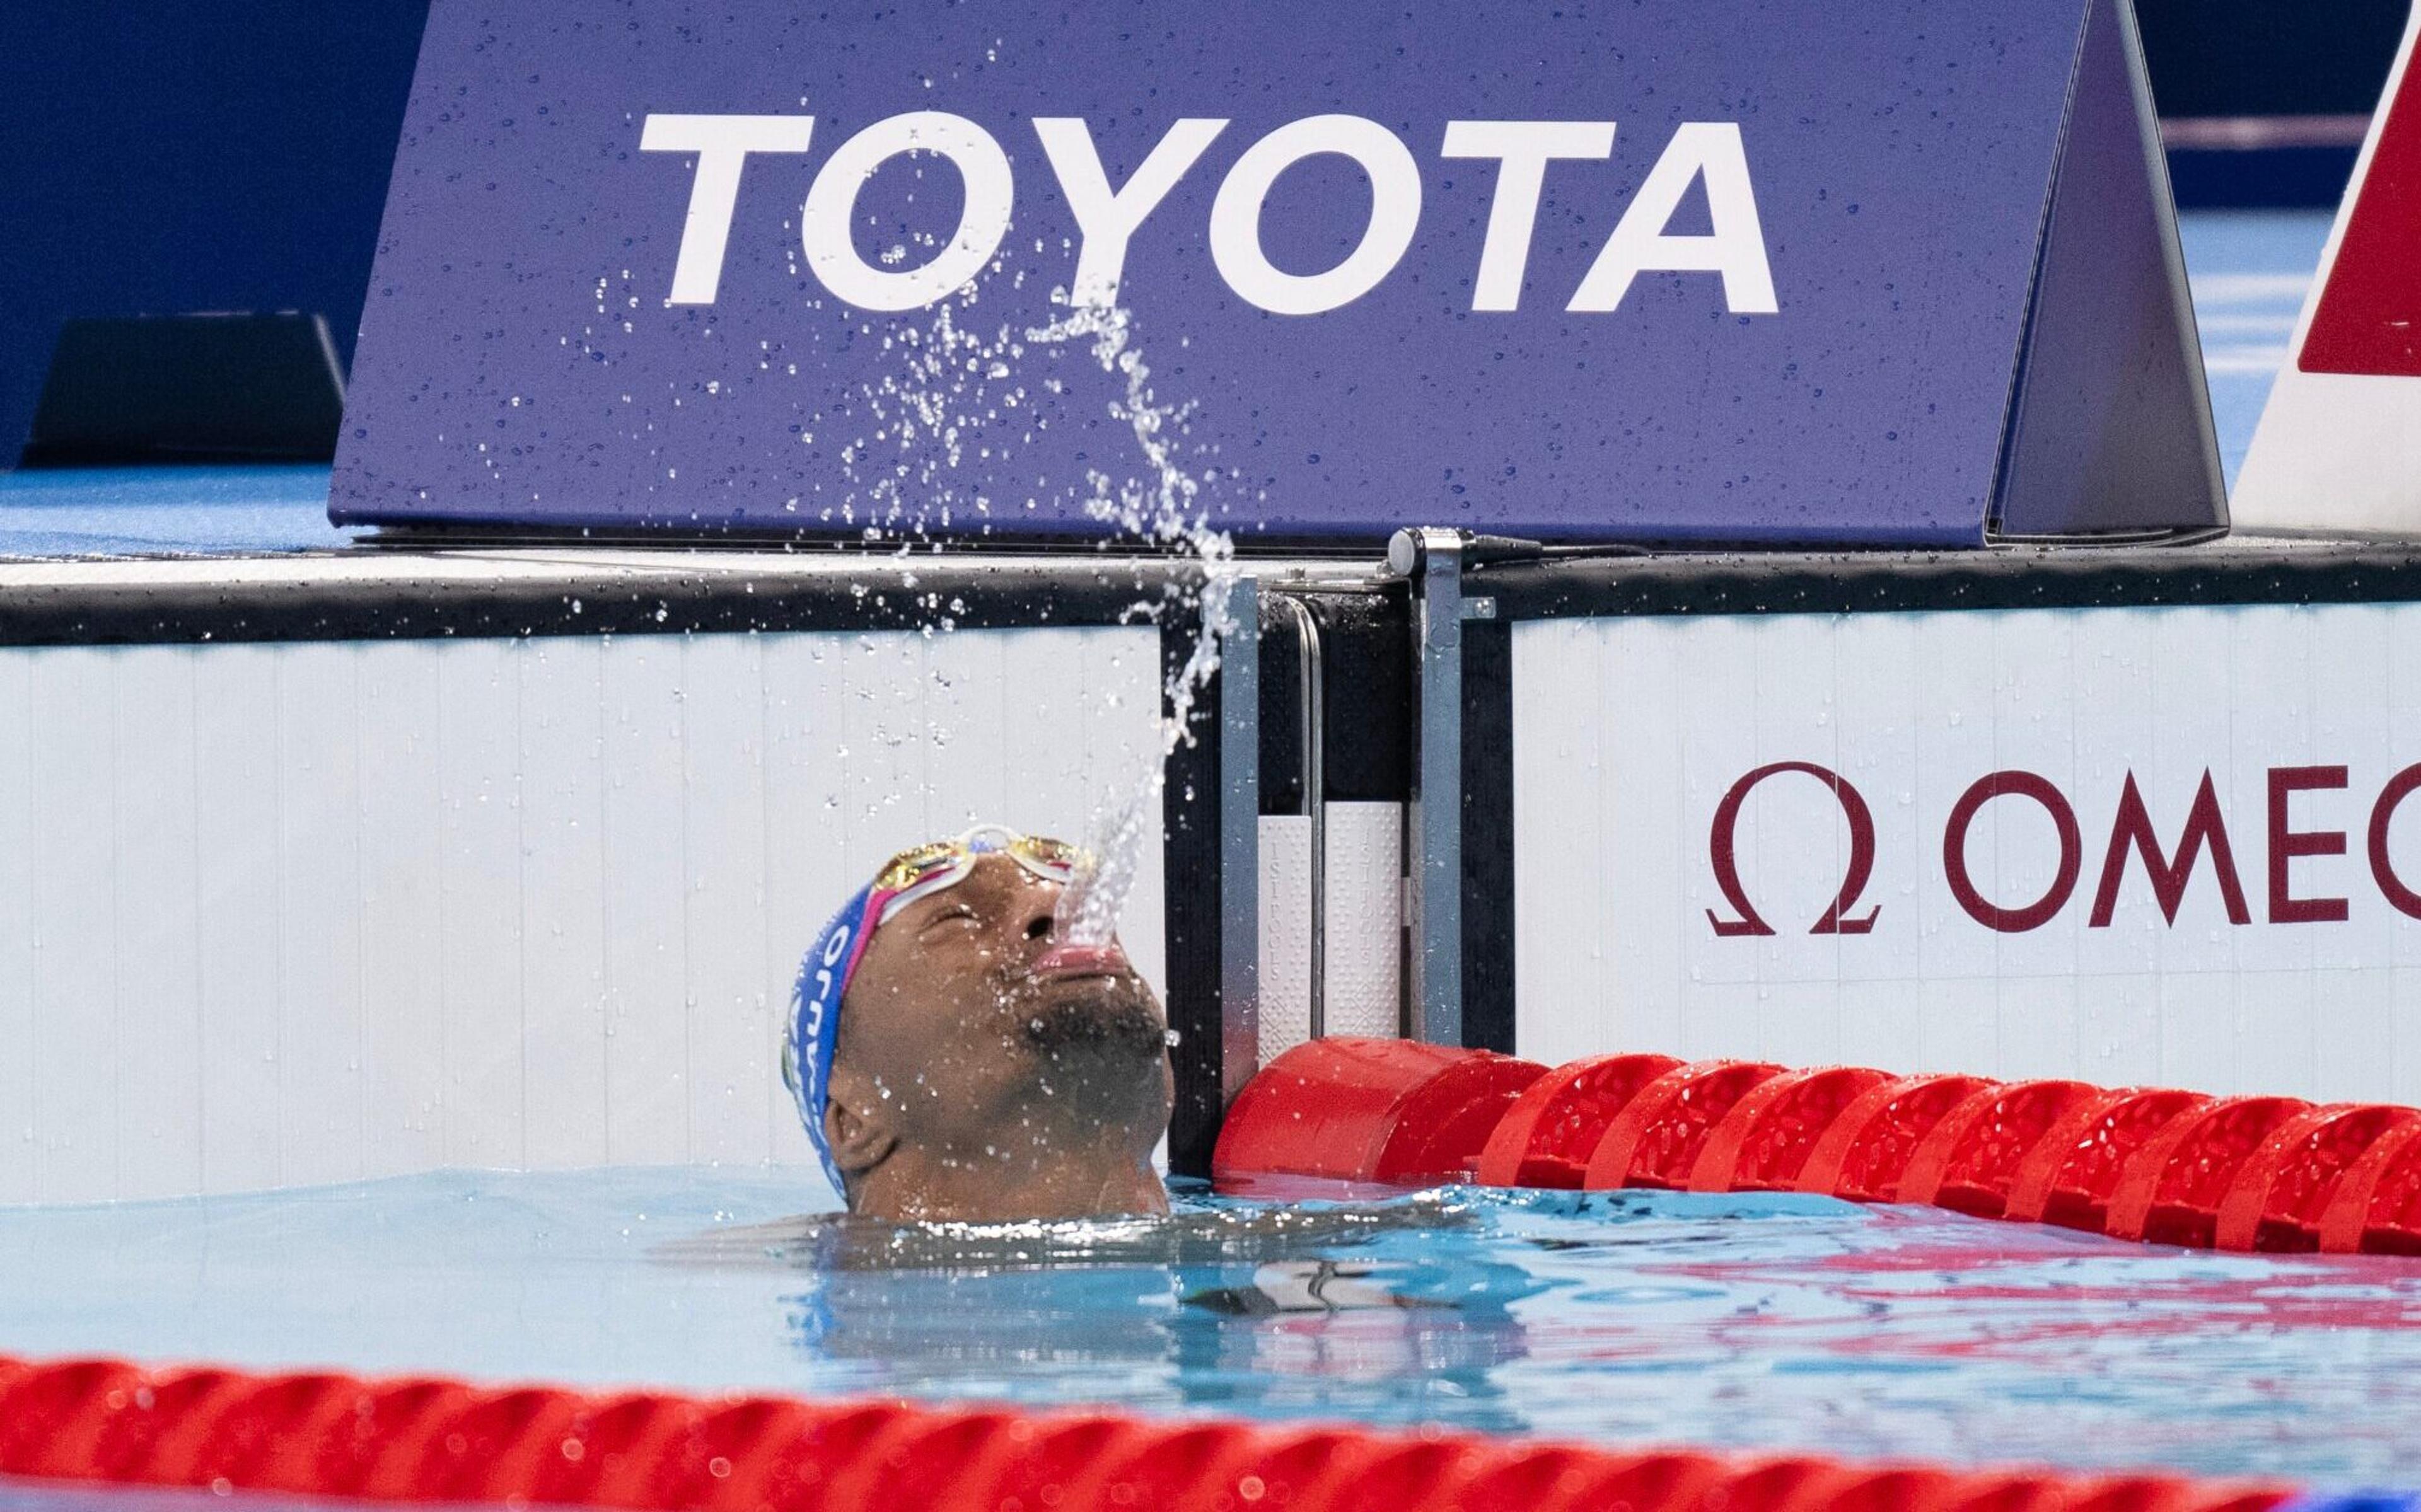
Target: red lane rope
430,1441
2277,1175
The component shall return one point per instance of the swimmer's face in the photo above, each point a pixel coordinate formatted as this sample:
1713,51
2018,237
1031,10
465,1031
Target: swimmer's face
963,1026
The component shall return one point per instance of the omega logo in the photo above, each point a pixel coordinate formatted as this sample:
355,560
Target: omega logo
1721,851
2132,839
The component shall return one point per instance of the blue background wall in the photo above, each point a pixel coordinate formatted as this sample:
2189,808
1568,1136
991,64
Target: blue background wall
170,155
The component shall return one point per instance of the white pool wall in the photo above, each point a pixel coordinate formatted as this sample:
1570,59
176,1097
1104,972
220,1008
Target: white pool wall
291,913
1362,969
1629,731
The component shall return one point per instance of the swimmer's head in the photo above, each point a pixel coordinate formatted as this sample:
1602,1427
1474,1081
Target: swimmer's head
952,1058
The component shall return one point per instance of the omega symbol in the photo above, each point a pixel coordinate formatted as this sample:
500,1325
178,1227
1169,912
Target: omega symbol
1721,851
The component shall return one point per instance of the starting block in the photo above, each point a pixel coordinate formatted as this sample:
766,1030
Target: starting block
2338,451
1899,274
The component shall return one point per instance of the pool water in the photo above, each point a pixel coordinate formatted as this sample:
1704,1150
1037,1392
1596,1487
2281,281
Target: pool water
2249,271
152,511
1764,1321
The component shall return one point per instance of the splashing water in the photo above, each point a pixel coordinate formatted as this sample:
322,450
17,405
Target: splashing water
954,400
1163,510
957,397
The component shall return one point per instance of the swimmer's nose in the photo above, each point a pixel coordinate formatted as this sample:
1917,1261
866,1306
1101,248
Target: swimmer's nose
1040,930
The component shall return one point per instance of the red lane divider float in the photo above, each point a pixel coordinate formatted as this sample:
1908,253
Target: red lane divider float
2277,1175
447,1442
1545,1138
1371,1110
1861,1155
1656,1139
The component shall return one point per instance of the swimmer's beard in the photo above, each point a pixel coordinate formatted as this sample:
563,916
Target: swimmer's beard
1114,1020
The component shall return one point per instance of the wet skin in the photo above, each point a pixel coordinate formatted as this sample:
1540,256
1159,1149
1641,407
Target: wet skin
985,1076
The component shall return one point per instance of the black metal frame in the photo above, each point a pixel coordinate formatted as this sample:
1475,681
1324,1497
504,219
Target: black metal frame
116,604
1488,981
2236,571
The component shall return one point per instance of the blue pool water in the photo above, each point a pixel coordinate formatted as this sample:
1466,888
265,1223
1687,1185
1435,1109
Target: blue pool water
151,511
2249,271
1627,1318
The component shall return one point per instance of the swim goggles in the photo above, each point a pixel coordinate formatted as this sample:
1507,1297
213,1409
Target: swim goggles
929,868
813,1033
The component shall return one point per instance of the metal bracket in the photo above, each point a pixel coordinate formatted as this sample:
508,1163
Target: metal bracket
1240,840
1431,560
1315,798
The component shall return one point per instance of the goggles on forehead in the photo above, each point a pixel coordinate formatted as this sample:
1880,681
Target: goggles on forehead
927,869
809,1040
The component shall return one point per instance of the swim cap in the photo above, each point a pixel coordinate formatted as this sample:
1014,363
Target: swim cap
815,1017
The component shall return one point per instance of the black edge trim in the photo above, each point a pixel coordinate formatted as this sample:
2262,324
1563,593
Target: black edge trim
977,596
1367,733
1191,853
1488,736
421,536
1281,712
2236,573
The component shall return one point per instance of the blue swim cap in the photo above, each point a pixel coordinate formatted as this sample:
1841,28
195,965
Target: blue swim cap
815,1017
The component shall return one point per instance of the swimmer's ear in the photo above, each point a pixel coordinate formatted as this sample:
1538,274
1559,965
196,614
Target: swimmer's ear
854,1127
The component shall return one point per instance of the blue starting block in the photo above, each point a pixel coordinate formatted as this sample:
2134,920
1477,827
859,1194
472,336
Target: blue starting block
1758,271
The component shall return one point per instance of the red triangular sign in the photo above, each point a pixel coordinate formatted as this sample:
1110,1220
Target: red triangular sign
2339,447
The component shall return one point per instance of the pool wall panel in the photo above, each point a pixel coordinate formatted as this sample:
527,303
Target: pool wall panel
19,1170
731,1004
804,829
1364,960
563,862
1365,920
238,864
1285,899
647,1021
292,912
1631,729
77,1049
317,765
156,957
402,959
480,1012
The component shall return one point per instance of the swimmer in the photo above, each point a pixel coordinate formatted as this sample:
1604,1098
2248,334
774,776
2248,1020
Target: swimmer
953,1061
